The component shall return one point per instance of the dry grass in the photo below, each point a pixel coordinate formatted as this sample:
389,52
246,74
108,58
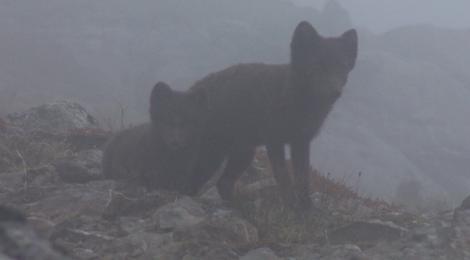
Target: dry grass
335,204
278,223
27,151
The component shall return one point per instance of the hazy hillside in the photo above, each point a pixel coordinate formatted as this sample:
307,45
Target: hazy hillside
404,115
384,15
114,45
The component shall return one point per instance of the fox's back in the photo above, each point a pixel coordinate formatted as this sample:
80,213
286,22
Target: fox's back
273,105
245,99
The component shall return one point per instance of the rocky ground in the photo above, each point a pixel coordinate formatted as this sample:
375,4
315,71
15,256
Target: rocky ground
56,205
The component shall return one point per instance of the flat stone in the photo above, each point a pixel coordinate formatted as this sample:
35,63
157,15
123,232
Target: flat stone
367,232
182,213
260,254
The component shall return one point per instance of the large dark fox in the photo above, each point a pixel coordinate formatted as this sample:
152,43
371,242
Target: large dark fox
160,154
273,105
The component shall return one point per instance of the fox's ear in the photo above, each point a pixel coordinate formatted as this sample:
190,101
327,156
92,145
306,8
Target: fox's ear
161,93
349,39
304,46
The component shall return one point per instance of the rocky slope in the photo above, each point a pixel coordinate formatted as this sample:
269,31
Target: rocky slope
71,211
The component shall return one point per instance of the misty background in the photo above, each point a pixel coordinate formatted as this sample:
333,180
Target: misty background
403,119
384,15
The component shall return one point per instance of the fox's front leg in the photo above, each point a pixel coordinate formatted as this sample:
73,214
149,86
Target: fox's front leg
239,159
277,159
300,153
208,160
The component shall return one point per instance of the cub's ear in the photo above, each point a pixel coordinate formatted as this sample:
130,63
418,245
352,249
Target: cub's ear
304,46
161,93
349,40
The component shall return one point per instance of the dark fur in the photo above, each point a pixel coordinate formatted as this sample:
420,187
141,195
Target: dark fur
159,154
273,105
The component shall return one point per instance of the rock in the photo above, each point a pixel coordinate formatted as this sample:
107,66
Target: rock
91,157
460,237
465,203
19,241
40,176
406,250
316,252
151,245
87,138
184,212
259,187
82,167
3,124
23,149
56,117
89,218
366,232
223,226
211,196
75,172
36,177
199,251
346,252
132,199
86,237
7,158
260,254
59,203
4,257
11,182
302,252
142,245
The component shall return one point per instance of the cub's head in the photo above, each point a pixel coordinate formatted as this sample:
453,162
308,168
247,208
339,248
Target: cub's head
177,117
322,63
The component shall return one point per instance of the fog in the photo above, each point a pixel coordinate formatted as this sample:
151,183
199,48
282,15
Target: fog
380,16
403,116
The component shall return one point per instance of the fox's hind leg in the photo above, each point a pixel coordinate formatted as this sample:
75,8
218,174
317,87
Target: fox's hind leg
239,159
277,159
206,165
300,151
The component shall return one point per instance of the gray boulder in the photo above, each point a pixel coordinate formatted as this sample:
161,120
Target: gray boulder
179,214
81,167
19,240
58,117
260,254
366,232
